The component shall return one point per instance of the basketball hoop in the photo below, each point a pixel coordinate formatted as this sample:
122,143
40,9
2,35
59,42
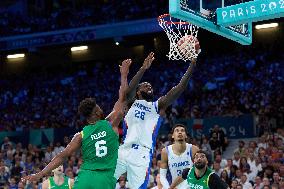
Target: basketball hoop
183,38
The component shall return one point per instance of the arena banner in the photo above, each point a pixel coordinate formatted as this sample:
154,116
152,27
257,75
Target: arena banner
41,136
80,34
234,127
252,11
15,137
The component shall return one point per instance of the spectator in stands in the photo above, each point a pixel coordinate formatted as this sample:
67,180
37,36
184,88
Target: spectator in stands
261,142
257,183
217,168
58,148
228,166
274,186
234,184
241,148
16,170
232,174
13,183
251,158
122,183
236,158
215,144
281,170
244,164
21,185
4,173
265,181
276,178
238,175
245,183
220,136
225,177
239,186
205,146
6,143
221,161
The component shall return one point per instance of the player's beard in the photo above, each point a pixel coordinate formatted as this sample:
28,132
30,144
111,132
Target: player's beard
200,165
148,97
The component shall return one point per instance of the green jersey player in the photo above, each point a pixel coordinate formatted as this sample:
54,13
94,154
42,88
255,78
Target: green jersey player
58,181
98,141
200,176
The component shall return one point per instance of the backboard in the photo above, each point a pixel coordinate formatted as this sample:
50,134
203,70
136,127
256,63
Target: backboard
203,14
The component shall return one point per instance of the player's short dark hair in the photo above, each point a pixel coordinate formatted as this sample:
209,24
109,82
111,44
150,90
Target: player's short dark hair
201,152
86,107
139,86
179,125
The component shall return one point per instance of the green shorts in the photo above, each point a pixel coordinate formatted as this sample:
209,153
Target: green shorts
88,179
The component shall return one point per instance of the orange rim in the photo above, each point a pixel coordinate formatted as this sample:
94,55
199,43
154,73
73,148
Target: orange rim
161,19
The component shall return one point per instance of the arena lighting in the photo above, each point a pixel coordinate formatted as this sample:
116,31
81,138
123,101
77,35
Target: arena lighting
79,48
264,26
117,43
13,56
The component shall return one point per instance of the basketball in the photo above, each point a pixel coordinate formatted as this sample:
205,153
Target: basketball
188,45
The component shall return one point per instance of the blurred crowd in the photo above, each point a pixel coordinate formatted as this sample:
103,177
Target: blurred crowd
232,85
37,16
254,164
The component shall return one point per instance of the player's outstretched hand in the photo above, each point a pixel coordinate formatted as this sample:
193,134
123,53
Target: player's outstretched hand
124,68
148,61
31,178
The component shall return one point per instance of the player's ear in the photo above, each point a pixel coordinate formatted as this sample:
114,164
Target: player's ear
138,93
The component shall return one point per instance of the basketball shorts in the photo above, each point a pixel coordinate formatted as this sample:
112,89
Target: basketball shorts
94,180
134,160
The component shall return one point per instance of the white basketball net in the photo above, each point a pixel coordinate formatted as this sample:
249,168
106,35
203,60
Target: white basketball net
176,31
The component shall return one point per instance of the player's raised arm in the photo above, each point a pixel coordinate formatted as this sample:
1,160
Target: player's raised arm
137,78
118,110
164,168
59,159
176,91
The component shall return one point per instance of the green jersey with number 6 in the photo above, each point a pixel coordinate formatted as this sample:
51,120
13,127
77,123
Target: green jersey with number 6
99,147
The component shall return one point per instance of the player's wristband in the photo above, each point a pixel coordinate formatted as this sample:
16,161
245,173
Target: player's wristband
163,178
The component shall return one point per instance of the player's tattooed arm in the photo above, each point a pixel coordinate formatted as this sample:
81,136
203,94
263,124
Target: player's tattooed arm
176,91
59,159
118,110
138,76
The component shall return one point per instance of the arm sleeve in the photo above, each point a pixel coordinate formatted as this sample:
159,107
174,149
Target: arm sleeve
163,178
215,182
185,173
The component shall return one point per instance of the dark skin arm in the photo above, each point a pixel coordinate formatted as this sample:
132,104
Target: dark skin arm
176,91
118,110
58,160
130,94
114,118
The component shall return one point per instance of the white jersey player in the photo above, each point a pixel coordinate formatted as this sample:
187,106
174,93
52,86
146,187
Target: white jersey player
142,124
177,156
